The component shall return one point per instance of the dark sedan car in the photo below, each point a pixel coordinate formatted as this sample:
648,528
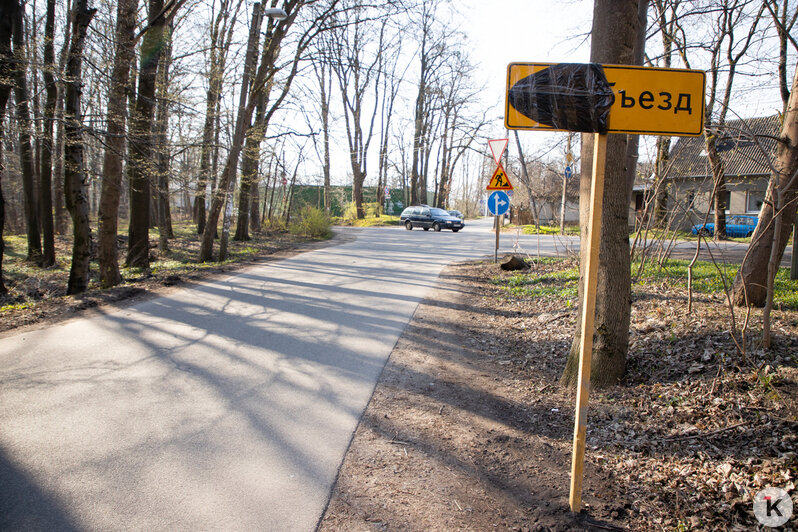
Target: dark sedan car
425,217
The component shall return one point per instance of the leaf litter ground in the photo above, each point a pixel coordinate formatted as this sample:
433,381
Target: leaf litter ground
469,429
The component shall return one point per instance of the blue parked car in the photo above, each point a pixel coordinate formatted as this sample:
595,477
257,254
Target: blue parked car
736,227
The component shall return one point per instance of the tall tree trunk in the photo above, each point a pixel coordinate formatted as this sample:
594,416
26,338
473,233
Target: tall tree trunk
618,37
25,143
108,253
7,16
249,170
76,184
140,161
751,281
161,197
254,212
46,169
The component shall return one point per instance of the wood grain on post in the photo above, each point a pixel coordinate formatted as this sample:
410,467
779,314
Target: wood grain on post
588,316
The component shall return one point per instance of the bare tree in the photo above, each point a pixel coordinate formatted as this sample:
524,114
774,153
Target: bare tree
25,129
265,73
221,36
46,162
108,254
7,16
755,279
431,50
140,168
75,178
356,57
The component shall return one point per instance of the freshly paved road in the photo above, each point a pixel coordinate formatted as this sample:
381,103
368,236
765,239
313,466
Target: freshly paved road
226,405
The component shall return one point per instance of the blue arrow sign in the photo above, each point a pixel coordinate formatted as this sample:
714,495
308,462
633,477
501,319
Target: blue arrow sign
567,172
498,203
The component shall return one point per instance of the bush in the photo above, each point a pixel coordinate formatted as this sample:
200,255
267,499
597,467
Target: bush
275,225
350,213
313,223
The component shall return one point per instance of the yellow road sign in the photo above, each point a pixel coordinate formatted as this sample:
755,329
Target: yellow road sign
655,101
499,181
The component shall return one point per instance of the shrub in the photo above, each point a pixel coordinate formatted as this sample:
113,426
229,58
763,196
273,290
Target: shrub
350,213
275,225
312,222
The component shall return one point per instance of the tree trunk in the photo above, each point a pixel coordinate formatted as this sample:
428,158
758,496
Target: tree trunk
618,37
7,15
245,110
161,197
254,212
140,161
46,168
751,281
108,253
25,133
76,184
249,170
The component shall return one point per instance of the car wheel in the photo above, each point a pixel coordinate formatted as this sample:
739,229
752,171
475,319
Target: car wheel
436,226
426,229
409,225
455,230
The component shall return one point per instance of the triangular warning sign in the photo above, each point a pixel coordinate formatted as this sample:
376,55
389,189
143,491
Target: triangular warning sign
499,181
497,147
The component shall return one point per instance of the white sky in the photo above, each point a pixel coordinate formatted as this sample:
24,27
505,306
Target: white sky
507,31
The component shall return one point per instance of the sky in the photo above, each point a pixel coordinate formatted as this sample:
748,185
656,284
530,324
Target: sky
505,31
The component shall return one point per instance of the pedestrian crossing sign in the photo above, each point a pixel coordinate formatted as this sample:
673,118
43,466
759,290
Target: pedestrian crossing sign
499,181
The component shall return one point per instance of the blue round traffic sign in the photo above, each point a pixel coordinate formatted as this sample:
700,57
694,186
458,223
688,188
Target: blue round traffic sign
498,203
567,172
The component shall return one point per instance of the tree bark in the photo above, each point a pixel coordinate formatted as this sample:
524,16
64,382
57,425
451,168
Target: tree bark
161,197
46,168
751,281
110,191
140,161
76,185
249,170
31,203
618,37
7,15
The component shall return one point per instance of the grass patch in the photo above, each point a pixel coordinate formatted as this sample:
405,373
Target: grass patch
28,284
563,283
544,229
368,221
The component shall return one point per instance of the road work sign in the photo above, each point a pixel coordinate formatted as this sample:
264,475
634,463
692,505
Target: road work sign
604,99
499,181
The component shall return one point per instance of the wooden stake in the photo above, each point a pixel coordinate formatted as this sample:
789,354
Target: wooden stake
588,316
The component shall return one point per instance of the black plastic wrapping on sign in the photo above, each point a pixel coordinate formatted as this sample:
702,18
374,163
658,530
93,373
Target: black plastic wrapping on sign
569,96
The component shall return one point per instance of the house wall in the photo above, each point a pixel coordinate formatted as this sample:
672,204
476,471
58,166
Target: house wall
689,199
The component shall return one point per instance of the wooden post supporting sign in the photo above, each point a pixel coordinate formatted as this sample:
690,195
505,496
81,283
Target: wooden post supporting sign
601,99
588,316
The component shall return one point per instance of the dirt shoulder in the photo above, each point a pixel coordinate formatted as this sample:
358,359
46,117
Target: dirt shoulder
468,427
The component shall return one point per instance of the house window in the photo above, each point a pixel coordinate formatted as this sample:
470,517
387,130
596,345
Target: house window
754,200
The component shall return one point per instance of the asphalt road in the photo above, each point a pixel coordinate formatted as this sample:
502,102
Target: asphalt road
226,405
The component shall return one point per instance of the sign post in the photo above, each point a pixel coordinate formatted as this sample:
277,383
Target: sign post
498,205
588,316
600,99
499,201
